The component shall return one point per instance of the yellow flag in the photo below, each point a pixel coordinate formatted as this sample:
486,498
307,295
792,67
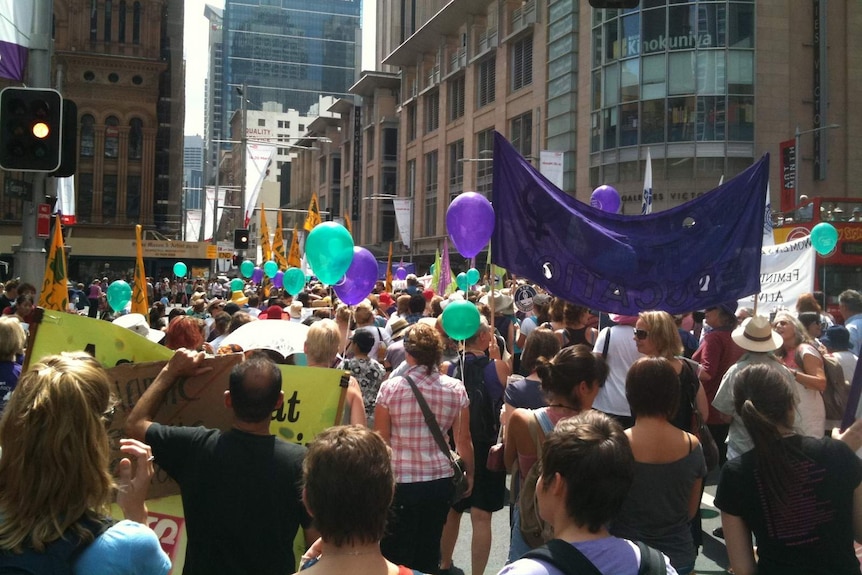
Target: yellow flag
139,294
294,259
313,217
55,289
389,270
347,224
265,248
278,244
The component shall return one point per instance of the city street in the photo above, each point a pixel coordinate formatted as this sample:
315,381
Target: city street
712,559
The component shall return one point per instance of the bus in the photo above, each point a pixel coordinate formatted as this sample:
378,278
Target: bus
840,269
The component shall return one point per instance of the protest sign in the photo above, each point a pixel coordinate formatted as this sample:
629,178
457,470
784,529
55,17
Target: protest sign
786,272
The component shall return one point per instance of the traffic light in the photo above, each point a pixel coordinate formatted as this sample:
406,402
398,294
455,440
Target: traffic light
31,129
240,239
69,147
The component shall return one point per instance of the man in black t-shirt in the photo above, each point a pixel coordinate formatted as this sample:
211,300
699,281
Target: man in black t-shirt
241,489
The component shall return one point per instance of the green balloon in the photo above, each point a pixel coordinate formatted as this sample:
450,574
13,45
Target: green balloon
237,284
473,276
119,295
270,268
294,281
180,269
329,249
462,282
460,320
246,268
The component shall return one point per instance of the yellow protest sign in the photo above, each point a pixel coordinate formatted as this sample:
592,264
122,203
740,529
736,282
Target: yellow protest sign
108,343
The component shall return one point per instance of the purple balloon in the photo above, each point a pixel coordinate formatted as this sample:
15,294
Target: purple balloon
606,198
470,222
257,275
278,279
400,272
359,279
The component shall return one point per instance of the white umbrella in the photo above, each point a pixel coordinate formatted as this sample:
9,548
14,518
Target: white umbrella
284,337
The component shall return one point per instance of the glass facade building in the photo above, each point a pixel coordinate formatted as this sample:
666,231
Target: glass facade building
678,77
289,52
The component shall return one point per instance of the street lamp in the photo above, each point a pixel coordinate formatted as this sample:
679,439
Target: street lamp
799,154
409,206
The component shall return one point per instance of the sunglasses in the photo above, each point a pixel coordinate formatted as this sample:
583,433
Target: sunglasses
641,333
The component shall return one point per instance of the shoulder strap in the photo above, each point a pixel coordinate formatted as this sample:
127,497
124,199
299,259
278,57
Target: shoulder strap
430,420
607,343
544,420
564,557
652,561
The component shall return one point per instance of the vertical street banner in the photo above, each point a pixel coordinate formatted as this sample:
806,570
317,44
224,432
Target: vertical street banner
787,156
257,158
212,216
551,166
66,200
403,217
55,289
16,25
646,202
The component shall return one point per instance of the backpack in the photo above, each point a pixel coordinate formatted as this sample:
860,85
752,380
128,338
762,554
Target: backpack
837,389
484,410
58,557
570,561
534,529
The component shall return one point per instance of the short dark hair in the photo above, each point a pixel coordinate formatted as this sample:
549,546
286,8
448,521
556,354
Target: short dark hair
652,388
417,303
255,386
349,484
592,454
363,340
851,299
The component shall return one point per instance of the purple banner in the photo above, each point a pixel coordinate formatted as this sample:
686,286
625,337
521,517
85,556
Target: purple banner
701,253
13,61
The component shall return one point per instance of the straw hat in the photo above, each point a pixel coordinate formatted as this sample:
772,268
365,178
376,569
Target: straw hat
238,298
755,334
503,303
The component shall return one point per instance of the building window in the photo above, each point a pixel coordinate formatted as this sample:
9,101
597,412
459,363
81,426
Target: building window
389,181
522,63
456,169
302,127
136,139
485,169
109,10
457,89
432,111
136,23
387,222
84,207
321,170
112,137
390,144
487,72
109,198
430,223
411,178
261,122
121,23
88,136
369,145
522,134
94,24
133,198
411,122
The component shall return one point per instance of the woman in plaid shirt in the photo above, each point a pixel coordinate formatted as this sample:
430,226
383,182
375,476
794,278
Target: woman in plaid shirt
422,471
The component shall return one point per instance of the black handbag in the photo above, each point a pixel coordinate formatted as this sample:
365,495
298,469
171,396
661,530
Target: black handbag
459,469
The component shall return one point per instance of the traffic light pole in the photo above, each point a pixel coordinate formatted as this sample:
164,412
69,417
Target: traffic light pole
30,254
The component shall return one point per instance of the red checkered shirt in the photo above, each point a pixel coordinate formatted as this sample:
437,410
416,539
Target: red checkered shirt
416,457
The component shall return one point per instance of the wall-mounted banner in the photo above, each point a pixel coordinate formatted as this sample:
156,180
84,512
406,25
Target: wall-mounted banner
403,217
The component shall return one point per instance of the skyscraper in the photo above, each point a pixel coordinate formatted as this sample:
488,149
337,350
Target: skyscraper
288,51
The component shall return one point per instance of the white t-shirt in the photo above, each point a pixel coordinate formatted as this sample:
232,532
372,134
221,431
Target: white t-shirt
622,353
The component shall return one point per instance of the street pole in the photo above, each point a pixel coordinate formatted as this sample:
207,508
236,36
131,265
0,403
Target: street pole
244,143
30,254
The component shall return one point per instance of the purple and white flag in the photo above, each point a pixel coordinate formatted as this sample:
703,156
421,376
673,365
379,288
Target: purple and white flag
16,24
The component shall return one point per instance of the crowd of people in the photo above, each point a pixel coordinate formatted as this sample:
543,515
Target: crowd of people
596,415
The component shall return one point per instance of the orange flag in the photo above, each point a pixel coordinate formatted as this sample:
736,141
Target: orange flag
294,259
389,270
139,294
55,289
313,217
266,250
278,244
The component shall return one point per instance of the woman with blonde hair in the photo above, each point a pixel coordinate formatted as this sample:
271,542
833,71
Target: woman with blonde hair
321,350
55,483
12,342
799,354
